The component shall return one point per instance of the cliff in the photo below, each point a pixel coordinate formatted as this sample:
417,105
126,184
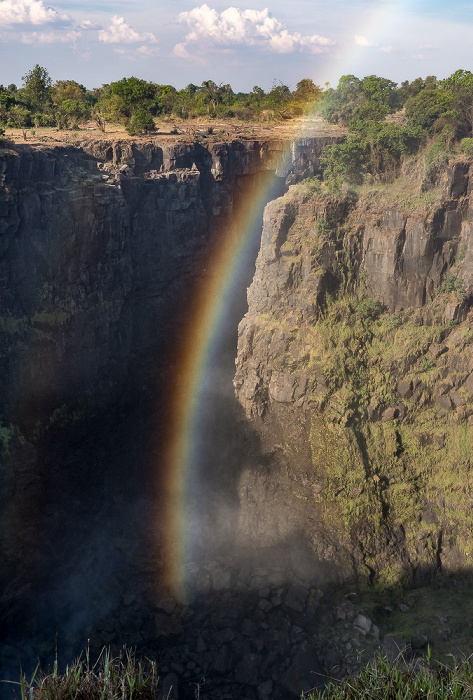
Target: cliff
355,361
354,367
102,247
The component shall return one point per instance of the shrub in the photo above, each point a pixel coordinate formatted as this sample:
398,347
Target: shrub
141,122
467,146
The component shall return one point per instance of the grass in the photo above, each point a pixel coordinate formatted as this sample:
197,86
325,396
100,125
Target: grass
123,677
403,680
126,678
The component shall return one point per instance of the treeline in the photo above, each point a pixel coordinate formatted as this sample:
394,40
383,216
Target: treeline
136,103
429,111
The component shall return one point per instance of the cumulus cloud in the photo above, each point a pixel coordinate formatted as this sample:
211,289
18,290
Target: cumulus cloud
119,32
29,12
234,27
88,24
50,37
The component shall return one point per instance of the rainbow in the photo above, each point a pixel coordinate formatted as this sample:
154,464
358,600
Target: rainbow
194,361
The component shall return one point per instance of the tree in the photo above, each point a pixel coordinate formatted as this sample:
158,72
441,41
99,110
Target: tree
135,93
37,89
368,112
278,98
460,87
426,107
341,104
380,90
307,91
70,103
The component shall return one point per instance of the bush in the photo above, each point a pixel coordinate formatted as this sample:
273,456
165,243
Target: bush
467,146
141,122
436,158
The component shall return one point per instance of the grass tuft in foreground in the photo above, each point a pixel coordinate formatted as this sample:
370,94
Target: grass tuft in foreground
418,679
110,678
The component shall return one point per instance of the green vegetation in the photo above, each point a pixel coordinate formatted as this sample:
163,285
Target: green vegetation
399,679
110,677
136,103
435,114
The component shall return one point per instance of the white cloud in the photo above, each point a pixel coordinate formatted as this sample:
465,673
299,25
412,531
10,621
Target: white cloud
147,51
119,32
234,27
363,41
50,37
88,24
29,12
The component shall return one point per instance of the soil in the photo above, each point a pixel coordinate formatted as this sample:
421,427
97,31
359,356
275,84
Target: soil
178,131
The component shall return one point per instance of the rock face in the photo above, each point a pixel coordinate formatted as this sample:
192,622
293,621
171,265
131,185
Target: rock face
355,360
102,247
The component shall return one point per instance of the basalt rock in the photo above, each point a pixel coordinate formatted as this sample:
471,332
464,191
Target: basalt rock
357,337
102,248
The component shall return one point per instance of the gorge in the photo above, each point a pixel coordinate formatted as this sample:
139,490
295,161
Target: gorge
344,464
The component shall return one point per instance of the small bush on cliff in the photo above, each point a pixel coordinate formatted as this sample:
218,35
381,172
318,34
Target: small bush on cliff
467,146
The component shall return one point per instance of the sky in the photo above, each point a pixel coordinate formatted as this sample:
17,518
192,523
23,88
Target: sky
252,43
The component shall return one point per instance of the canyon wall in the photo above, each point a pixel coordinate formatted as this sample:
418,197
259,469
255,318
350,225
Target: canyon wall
102,247
101,244
355,361
355,369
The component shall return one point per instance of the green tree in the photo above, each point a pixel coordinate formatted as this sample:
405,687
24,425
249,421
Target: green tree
70,103
214,95
380,90
307,91
36,91
278,98
341,104
140,122
459,86
135,93
425,108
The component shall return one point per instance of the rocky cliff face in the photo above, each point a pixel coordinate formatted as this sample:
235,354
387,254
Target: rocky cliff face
102,246
356,361
98,245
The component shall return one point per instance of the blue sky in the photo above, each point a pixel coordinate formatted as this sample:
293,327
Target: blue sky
245,44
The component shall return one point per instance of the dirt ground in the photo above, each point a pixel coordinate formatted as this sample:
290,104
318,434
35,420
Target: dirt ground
178,131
